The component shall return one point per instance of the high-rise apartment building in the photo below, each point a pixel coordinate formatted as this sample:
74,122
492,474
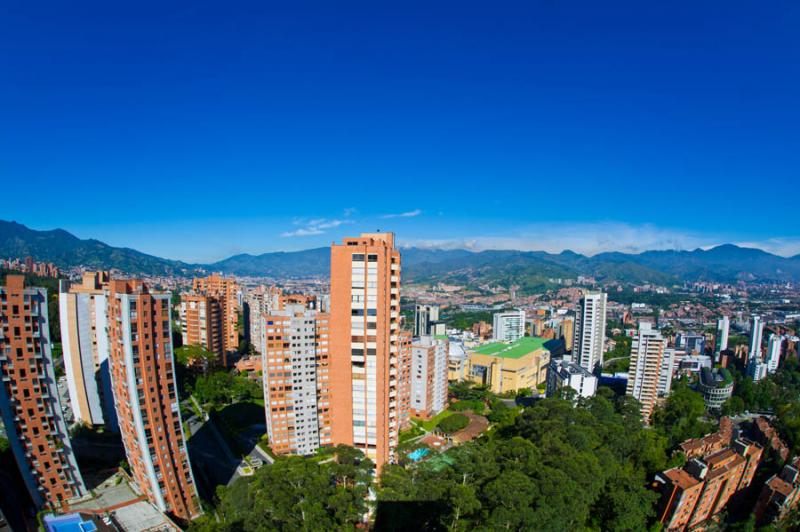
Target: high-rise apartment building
201,322
424,318
29,400
644,373
723,330
296,368
756,335
508,326
84,338
774,346
143,377
225,292
258,302
365,345
429,366
590,330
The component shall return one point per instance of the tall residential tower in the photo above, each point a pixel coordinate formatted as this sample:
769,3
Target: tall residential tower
590,330
143,377
365,345
84,338
29,401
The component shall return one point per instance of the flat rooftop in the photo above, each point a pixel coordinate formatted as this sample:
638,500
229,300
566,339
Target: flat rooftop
516,349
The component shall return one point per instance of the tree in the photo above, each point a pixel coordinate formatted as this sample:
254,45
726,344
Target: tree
453,423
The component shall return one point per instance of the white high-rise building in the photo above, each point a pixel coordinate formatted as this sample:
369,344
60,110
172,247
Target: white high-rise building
756,369
723,330
590,330
666,372
424,318
84,338
429,369
756,334
508,326
647,361
774,352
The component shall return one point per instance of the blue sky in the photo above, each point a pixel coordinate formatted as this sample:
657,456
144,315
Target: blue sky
197,130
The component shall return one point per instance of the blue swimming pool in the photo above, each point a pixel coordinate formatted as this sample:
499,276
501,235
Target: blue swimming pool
419,454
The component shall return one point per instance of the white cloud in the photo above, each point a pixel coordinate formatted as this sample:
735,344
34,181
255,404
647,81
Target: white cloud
302,232
409,214
314,226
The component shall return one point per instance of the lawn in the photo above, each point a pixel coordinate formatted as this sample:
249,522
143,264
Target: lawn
432,422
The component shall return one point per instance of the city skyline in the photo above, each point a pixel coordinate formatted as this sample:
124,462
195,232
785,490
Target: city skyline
660,123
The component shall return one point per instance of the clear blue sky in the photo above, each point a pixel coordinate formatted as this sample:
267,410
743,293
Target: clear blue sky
201,129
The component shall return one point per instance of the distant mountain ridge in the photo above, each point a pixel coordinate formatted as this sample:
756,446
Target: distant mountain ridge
527,269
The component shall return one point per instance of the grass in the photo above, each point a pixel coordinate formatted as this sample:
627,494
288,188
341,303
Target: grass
429,424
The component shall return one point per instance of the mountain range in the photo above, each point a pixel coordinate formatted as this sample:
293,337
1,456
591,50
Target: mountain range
527,269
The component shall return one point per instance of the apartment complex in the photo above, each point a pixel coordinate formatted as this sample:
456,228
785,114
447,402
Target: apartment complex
511,366
222,292
429,371
696,492
29,400
84,338
644,373
508,326
366,345
295,361
143,377
590,330
780,494
563,373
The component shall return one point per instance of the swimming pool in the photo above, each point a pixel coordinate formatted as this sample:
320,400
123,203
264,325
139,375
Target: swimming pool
419,454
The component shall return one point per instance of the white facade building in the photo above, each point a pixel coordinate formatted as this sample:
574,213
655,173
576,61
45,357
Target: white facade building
561,373
429,368
774,352
756,334
723,330
644,374
508,326
590,330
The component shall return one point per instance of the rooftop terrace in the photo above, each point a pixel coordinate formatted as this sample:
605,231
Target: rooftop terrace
516,349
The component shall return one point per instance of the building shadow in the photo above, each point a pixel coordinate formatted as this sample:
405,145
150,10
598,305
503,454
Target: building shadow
210,465
408,515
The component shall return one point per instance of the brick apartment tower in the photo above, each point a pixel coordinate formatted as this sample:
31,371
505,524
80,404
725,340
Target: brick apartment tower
84,338
145,397
29,401
296,365
365,345
201,322
226,293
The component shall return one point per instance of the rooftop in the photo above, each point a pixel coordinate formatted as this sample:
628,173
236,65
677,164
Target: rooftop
516,349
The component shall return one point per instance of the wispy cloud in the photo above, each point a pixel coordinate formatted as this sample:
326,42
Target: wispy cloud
586,238
302,232
409,214
314,226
